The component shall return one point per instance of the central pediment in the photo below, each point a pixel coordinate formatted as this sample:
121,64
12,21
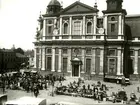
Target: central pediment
78,7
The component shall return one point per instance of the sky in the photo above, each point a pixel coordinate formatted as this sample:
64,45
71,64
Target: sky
18,19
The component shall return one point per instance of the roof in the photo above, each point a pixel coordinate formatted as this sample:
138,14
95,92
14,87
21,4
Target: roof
54,2
7,50
20,55
78,7
133,24
133,16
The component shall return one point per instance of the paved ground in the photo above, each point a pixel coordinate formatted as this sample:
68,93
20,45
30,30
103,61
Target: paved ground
14,94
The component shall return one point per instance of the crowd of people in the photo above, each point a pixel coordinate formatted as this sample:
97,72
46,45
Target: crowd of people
30,82
33,82
98,91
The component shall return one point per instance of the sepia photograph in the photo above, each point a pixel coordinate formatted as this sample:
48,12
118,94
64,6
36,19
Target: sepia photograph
69,52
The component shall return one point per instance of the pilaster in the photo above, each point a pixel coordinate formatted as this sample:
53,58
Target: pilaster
84,22
83,60
136,62
119,62
60,33
35,53
53,59
105,24
93,62
43,58
60,60
69,60
44,29
101,61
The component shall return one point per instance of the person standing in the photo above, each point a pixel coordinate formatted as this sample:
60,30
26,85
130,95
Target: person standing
36,91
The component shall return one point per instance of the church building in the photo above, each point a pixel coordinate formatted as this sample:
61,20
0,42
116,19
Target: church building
76,42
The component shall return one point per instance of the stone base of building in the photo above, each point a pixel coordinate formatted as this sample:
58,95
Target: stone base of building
135,77
84,76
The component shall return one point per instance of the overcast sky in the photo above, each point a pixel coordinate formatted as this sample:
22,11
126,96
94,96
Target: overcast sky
18,19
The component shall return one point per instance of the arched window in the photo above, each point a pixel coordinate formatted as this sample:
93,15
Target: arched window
65,28
112,18
89,26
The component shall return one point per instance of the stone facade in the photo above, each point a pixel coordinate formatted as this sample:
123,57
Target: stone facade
77,42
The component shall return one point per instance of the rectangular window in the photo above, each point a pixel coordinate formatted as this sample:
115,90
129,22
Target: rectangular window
97,51
49,63
65,51
49,51
56,51
88,66
112,66
49,29
112,52
88,51
131,52
77,28
65,64
56,62
112,27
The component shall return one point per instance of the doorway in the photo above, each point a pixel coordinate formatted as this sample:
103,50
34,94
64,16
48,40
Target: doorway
75,71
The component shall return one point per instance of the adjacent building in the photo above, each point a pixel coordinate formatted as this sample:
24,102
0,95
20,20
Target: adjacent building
77,42
10,60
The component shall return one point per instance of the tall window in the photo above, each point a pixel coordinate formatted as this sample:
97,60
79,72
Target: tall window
88,65
77,28
65,28
65,64
49,29
112,27
49,63
89,26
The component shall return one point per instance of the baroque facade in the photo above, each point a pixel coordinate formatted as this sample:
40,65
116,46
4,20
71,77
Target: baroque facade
77,42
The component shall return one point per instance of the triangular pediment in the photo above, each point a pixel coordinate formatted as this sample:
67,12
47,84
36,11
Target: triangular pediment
79,7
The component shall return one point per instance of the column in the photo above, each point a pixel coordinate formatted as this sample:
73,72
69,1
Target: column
83,60
69,60
35,57
119,62
53,59
93,62
101,61
120,27
60,60
83,33
60,33
70,27
43,58
44,29
94,27
105,24
136,62
40,58
122,57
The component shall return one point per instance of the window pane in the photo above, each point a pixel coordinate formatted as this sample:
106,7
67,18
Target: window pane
49,63
65,51
88,65
65,28
77,28
88,51
64,64
89,24
112,27
111,52
49,29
